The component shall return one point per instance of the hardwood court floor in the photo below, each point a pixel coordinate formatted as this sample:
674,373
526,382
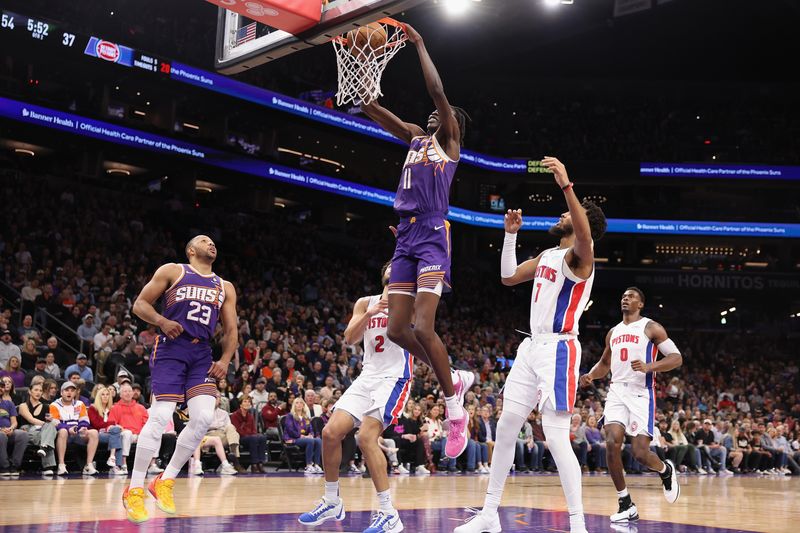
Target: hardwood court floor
430,504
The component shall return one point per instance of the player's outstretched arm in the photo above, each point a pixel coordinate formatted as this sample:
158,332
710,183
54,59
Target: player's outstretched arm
354,332
448,133
601,368
510,272
672,356
230,332
391,122
583,248
164,277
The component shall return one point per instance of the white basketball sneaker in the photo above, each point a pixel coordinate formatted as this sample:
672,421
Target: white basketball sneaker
480,522
323,512
384,522
627,511
672,488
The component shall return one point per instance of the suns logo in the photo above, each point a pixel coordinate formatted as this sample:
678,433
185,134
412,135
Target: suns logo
427,154
200,294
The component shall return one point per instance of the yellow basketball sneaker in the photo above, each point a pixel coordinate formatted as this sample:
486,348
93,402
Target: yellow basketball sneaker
161,489
133,500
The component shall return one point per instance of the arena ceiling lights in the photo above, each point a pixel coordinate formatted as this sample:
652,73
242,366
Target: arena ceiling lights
458,7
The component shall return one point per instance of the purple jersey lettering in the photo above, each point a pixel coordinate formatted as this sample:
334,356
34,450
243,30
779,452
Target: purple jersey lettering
194,302
426,178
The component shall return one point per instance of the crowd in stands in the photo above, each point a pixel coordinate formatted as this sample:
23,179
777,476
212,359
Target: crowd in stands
69,280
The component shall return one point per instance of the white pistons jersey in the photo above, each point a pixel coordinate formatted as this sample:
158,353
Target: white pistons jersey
559,296
382,357
628,343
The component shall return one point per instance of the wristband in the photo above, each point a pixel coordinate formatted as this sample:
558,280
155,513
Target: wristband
567,187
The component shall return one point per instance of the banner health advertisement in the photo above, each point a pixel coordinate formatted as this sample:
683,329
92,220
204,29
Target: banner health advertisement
105,131
704,170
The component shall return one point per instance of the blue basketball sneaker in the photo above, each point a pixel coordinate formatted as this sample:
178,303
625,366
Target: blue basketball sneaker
323,512
383,522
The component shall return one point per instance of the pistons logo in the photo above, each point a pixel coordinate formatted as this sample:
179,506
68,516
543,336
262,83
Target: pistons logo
108,51
634,426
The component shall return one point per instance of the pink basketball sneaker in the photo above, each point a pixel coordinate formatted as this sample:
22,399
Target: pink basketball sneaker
457,437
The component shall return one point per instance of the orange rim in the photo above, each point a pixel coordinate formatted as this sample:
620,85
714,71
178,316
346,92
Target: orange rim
341,39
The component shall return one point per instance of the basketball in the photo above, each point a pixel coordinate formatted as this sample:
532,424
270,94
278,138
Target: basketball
370,37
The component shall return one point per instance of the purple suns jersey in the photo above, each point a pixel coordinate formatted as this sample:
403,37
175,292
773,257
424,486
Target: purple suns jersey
194,302
426,178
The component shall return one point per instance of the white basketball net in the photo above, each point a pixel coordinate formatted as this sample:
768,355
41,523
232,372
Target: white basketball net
361,67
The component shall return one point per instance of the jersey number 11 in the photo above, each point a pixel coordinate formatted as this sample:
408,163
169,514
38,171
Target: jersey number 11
407,178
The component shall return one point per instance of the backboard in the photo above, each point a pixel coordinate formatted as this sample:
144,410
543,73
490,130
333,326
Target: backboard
243,44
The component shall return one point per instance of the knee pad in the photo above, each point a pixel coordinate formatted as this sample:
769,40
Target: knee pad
203,418
201,415
160,415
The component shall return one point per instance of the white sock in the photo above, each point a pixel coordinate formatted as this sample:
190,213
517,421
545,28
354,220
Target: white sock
663,468
385,502
179,458
507,430
576,521
140,464
622,493
332,491
453,407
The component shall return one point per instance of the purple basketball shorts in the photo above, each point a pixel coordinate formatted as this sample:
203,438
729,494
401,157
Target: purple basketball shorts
179,369
421,260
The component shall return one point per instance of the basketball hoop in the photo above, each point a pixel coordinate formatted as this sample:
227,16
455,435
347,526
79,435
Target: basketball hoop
362,55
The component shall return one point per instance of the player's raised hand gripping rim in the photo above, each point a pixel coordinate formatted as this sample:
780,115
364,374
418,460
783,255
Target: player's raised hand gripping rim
413,35
513,220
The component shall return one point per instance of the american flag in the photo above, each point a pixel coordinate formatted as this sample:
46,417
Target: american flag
247,33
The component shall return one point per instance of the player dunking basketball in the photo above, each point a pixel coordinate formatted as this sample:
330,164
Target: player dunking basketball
545,373
374,401
632,347
421,262
194,298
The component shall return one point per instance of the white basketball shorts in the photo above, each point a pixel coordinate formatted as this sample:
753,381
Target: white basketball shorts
631,406
379,397
546,368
